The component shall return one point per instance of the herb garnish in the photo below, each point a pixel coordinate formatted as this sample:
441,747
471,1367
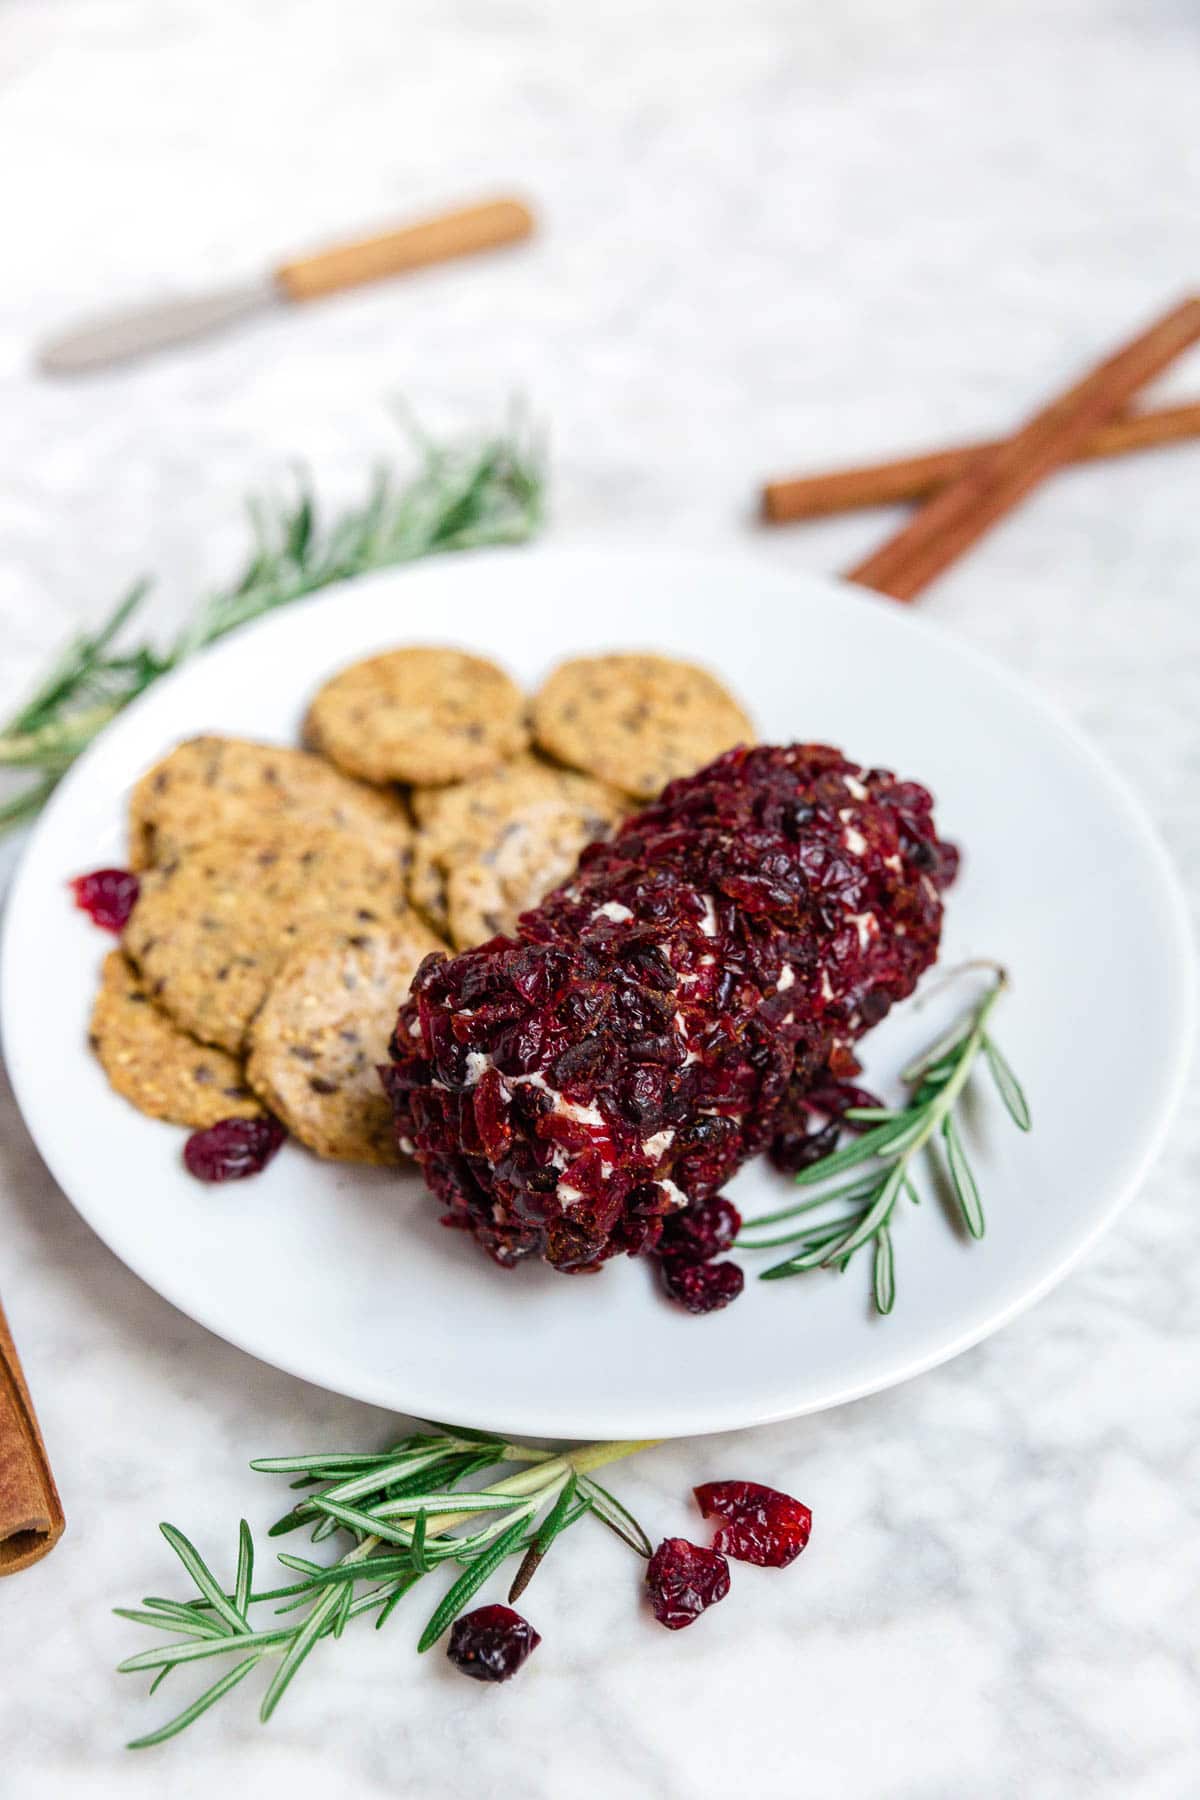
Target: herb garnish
403,1509
406,1515
882,1160
460,499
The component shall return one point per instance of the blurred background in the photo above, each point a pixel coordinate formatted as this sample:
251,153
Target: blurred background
775,234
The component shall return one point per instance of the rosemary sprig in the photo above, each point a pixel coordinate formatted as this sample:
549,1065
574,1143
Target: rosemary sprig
879,1163
405,1515
460,498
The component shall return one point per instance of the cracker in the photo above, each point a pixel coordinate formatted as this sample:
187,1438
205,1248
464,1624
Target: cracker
427,880
483,798
210,786
532,854
210,929
324,1028
472,810
159,1068
637,721
423,715
467,823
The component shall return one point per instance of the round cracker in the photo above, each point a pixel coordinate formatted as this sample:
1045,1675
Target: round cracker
210,929
469,822
485,897
473,811
427,880
636,720
425,715
210,786
159,1068
323,1030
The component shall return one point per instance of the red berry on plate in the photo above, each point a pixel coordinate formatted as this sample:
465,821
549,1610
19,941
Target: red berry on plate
702,1230
762,1525
107,896
701,1287
683,1580
233,1148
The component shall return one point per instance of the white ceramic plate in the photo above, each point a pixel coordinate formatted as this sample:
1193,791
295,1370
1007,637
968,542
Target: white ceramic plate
344,1276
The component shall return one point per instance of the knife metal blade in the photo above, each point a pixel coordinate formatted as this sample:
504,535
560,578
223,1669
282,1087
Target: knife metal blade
118,336
485,226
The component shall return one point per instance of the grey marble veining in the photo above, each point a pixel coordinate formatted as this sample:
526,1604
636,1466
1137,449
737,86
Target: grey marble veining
777,234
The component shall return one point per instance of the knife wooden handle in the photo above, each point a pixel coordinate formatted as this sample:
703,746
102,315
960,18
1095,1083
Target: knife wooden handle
31,1514
412,247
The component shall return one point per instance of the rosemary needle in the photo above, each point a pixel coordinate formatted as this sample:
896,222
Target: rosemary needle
409,1516
880,1161
460,498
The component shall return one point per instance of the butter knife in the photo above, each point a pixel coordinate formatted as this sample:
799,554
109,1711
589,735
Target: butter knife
136,331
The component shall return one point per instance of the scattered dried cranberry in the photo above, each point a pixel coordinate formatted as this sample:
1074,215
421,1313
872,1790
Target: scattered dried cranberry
684,1579
763,1526
701,1287
233,1148
491,1643
702,1230
108,896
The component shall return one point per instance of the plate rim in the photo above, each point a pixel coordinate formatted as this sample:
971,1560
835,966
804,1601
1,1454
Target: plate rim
750,561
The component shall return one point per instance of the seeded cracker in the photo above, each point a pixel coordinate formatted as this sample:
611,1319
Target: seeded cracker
519,828
472,810
324,1028
637,721
211,786
211,929
421,715
531,856
159,1068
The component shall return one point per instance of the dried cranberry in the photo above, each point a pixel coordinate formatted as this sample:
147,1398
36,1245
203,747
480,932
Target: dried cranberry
491,1643
701,1287
636,1236
948,858
840,1097
684,1579
795,1147
107,896
809,1122
763,1526
702,1230
233,1148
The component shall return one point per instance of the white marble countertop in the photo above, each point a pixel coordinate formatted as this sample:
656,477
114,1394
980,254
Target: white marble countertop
776,233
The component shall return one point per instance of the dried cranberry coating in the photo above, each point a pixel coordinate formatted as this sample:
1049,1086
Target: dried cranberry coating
568,1089
491,1643
762,1525
683,1580
107,896
233,1148
810,1121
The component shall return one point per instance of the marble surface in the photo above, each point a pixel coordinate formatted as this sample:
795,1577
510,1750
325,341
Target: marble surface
777,233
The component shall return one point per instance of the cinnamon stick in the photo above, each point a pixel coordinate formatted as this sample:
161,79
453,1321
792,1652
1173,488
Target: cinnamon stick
917,477
31,1514
991,486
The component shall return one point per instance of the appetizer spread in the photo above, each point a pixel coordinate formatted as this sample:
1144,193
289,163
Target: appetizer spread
640,1000
279,900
